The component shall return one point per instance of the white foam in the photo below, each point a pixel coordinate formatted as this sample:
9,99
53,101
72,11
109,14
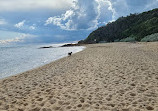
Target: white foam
17,59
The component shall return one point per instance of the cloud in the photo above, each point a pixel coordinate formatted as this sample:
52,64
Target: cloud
152,4
20,5
2,21
20,24
33,27
77,18
9,40
106,11
20,38
103,3
26,27
125,7
141,5
82,15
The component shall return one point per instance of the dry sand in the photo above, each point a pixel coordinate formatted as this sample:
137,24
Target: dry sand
103,77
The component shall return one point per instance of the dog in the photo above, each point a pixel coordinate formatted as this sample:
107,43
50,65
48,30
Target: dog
70,53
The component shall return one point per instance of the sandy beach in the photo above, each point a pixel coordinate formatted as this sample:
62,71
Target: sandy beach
103,77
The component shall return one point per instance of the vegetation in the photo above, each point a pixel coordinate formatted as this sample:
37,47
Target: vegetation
128,39
150,38
131,28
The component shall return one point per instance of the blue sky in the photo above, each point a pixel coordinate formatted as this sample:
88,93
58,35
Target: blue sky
47,21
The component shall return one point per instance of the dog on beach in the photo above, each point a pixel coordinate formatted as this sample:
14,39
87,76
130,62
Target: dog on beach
70,53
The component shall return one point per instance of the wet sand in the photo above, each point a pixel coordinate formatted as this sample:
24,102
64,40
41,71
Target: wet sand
103,77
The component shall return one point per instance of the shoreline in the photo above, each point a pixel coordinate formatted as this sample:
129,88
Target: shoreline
39,66
106,77
36,68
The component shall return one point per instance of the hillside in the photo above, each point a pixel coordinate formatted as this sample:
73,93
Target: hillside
133,27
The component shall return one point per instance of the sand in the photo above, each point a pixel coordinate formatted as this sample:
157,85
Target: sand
103,77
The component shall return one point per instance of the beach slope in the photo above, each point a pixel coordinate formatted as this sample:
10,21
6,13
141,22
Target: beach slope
103,77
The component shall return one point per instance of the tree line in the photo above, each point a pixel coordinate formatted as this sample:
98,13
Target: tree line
134,26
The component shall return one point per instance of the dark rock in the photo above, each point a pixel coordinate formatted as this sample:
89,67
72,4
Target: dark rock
70,45
46,47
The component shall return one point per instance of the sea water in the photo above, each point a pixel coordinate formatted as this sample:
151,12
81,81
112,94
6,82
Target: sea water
16,59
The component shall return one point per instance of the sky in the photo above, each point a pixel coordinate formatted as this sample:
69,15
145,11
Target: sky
52,21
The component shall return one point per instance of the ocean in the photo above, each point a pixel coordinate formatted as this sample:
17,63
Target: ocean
16,59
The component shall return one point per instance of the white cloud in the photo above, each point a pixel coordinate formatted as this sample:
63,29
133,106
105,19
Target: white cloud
103,3
3,22
106,11
20,24
33,27
20,38
121,8
9,40
16,5
82,15
57,20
